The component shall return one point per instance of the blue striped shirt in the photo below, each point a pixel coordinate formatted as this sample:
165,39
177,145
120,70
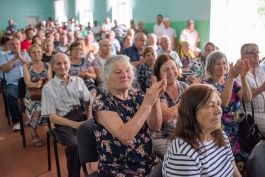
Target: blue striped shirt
182,160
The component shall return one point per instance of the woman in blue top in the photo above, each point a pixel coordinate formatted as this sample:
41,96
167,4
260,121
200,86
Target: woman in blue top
123,118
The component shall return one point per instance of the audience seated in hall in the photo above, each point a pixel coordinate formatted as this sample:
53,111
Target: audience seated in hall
135,52
48,48
256,80
102,57
106,27
222,78
90,48
145,70
152,41
127,42
36,74
166,65
66,114
196,70
165,44
186,55
36,40
119,30
96,29
11,64
11,26
63,46
141,28
25,45
198,143
81,67
127,145
115,44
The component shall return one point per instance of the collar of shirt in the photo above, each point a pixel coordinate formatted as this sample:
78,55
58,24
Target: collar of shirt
59,81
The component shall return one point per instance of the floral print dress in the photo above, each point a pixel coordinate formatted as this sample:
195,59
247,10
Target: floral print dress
115,158
33,108
230,123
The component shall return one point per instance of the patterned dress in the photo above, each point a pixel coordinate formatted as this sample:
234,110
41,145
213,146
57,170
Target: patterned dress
82,66
197,69
230,123
116,158
33,108
144,76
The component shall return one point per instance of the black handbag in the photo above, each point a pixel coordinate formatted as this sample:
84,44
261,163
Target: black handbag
249,134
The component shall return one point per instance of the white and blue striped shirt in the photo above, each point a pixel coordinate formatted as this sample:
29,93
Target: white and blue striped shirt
182,160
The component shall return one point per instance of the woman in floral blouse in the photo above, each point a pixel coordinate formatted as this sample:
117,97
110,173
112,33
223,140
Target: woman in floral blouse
231,92
196,70
123,118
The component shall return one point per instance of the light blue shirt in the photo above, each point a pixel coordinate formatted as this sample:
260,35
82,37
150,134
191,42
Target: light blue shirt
16,71
173,54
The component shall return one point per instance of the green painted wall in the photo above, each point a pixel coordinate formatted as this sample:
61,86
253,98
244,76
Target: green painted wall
19,9
202,26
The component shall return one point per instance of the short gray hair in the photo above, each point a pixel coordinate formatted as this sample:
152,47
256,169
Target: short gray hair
56,55
244,47
107,68
164,37
152,35
212,59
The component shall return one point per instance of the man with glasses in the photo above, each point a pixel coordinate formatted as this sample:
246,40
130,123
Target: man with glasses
256,80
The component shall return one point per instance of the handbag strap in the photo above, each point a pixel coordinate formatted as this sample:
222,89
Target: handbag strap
252,107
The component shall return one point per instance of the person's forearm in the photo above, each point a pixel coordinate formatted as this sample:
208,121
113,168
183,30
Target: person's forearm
91,75
127,132
23,59
257,91
154,121
227,92
170,114
135,63
54,118
246,91
8,66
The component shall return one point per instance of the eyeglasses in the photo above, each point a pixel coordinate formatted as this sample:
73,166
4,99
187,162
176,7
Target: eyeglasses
253,53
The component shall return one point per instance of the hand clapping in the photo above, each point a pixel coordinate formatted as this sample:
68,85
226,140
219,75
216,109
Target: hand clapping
155,91
235,69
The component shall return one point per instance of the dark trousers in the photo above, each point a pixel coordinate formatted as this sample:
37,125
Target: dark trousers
68,135
11,98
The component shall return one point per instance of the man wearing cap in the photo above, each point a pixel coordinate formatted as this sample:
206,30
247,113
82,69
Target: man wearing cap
191,36
171,33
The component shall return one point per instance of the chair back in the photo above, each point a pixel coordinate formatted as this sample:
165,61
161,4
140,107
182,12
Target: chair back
86,141
256,161
21,88
157,170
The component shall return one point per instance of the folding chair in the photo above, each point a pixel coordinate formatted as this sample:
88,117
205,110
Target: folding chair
3,85
55,138
86,141
22,107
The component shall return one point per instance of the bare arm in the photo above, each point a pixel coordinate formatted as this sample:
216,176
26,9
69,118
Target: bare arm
126,132
246,91
91,73
233,73
54,118
49,72
169,114
236,172
97,70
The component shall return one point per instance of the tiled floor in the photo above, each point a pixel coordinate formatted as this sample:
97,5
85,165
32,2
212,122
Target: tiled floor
16,161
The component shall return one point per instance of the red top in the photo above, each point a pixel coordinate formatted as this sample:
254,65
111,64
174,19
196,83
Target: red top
25,45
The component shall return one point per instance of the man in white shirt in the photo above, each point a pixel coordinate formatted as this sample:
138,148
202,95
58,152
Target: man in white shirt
96,30
171,33
106,27
256,81
191,36
71,25
159,26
